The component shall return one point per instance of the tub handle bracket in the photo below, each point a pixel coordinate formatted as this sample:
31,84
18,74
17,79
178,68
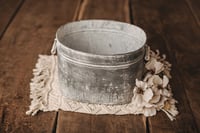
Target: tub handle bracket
54,47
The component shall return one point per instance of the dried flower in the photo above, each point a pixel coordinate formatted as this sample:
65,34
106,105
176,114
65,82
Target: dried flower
138,92
157,63
155,80
170,108
142,97
154,65
154,92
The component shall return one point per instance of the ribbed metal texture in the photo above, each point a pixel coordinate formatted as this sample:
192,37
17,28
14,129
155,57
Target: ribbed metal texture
99,60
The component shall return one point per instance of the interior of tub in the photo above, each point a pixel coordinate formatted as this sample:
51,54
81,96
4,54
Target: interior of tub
101,37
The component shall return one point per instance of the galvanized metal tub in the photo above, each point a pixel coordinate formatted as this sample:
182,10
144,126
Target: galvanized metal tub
99,60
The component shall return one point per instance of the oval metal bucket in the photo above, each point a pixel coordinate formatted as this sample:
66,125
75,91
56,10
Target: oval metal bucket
99,60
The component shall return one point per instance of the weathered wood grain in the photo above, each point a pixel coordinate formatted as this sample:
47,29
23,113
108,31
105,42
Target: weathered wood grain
183,41
194,6
170,26
83,123
30,33
105,9
8,9
173,29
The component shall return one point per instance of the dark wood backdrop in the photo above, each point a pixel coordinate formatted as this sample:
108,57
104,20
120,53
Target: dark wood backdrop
27,28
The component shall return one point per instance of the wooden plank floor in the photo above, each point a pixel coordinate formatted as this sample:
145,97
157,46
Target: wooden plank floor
8,10
27,28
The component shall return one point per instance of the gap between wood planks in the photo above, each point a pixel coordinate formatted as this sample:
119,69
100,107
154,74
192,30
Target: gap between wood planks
55,123
80,14
191,4
132,22
76,16
9,14
30,33
166,27
95,9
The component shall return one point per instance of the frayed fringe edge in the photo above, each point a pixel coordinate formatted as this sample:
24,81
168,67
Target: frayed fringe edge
38,86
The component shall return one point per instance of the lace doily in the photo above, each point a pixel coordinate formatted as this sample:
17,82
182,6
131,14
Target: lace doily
152,94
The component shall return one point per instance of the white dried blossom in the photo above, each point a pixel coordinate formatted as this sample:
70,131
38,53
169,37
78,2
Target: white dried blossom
158,86
156,63
170,108
155,80
142,97
138,92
